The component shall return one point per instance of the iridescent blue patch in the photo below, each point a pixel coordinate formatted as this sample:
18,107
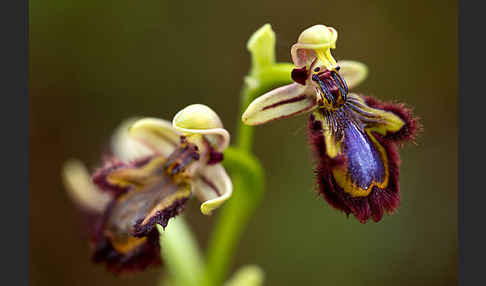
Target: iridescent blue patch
365,164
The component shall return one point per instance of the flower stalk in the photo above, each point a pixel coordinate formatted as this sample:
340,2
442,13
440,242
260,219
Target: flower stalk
247,172
265,74
182,255
245,169
249,186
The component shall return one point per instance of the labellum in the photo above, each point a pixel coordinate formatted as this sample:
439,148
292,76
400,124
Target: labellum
355,143
148,192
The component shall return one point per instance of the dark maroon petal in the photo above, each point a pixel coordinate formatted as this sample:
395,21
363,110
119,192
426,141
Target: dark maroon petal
412,123
324,165
138,259
136,212
110,165
160,217
299,75
125,237
215,157
99,177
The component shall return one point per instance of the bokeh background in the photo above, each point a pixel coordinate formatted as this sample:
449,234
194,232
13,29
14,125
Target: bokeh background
95,63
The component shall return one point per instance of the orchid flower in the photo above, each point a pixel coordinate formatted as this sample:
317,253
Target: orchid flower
354,137
157,166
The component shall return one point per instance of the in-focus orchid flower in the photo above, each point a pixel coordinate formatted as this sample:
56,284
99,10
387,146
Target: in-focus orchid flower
156,168
355,137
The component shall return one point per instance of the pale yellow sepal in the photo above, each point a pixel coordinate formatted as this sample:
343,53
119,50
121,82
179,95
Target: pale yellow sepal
353,72
213,187
156,134
282,102
124,146
80,188
389,121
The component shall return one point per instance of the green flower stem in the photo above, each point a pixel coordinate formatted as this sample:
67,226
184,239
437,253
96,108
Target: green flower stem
249,275
247,177
257,83
247,172
248,191
180,253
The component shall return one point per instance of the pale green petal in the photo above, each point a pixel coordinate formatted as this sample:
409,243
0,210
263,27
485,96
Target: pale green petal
353,72
125,147
387,121
156,134
282,102
213,187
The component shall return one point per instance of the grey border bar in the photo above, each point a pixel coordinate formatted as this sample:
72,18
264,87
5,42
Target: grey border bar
15,105
472,190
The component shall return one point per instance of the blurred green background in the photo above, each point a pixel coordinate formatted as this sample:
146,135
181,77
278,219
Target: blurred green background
95,63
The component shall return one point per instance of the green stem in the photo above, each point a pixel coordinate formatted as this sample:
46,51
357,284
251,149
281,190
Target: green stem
181,254
247,177
248,183
259,81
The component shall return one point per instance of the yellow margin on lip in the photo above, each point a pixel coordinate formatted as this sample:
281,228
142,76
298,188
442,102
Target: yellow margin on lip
343,178
132,242
134,176
391,123
332,148
140,177
182,192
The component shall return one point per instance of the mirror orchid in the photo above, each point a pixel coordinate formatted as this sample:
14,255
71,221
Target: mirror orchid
156,167
354,137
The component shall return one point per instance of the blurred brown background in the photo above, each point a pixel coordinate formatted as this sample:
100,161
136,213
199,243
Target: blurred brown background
94,63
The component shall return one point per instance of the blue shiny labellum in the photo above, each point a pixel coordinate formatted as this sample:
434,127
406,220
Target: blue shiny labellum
364,163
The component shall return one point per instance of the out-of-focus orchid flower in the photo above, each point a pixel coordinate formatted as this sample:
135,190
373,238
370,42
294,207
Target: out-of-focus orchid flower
354,137
157,166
